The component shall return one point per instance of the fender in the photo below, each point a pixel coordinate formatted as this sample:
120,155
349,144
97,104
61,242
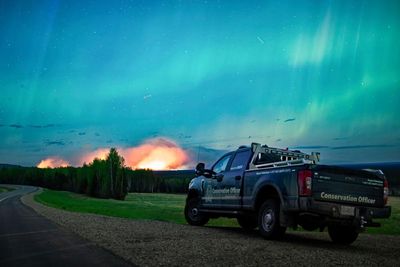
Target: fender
195,186
263,184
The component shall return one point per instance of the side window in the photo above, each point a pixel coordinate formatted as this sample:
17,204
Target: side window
240,161
220,166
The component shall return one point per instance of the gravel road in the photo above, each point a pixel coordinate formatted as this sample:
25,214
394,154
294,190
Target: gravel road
154,243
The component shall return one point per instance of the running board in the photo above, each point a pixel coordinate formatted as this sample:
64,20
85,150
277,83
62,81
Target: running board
232,212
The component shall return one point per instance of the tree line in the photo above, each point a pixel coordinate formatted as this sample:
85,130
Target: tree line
107,178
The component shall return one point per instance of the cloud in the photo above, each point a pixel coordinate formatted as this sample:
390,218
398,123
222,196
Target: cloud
183,136
38,126
340,138
17,126
361,146
290,119
309,147
58,143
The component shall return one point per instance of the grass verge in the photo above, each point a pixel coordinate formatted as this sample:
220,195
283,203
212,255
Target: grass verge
160,207
5,189
389,226
167,207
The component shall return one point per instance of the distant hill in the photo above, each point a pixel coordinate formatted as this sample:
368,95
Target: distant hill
175,174
8,166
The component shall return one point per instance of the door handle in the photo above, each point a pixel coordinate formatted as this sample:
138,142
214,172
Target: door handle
238,177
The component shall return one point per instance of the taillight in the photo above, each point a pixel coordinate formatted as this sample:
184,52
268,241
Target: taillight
385,191
304,179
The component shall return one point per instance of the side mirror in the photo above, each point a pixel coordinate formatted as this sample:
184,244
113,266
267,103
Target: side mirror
200,167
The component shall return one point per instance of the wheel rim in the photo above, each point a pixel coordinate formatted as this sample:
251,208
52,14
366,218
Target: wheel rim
268,220
193,212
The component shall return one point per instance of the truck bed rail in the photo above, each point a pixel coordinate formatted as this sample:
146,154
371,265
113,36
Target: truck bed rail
287,157
284,163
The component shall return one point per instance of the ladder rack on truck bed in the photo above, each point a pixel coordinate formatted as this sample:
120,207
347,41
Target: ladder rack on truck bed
287,157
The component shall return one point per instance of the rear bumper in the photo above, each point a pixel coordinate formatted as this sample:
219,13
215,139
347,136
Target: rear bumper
333,210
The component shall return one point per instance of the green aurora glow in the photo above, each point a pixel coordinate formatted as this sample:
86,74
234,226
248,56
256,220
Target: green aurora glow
215,74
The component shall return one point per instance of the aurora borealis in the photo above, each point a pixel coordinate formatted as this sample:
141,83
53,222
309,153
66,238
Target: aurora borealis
76,76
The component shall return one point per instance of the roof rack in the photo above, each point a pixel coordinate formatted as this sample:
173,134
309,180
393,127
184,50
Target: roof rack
288,157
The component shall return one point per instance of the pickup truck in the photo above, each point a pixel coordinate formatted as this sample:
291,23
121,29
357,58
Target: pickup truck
272,189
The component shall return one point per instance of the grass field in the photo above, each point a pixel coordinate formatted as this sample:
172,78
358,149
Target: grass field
5,189
166,207
161,207
389,226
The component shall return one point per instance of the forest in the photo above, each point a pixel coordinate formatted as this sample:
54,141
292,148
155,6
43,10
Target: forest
108,178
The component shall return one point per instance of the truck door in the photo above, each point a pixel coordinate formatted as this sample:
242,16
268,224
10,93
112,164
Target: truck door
232,180
211,186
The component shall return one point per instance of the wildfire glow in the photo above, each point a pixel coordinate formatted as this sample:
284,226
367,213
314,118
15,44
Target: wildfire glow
155,154
53,162
100,153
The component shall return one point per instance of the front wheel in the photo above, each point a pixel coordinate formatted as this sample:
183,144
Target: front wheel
344,235
192,214
268,220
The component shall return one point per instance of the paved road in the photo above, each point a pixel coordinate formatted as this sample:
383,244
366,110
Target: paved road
29,239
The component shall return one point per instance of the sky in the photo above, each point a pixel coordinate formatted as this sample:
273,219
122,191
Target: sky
204,77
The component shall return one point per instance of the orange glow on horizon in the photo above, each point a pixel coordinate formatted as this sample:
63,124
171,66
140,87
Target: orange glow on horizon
53,162
100,153
155,154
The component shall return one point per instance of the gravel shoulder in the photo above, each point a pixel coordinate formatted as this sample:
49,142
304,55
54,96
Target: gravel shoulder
155,243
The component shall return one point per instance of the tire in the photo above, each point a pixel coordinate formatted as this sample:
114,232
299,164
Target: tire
343,235
247,223
192,214
268,220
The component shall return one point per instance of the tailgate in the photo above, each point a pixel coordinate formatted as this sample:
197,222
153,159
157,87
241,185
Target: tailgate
342,185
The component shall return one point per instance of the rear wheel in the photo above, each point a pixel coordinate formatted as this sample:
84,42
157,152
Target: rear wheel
343,235
247,223
192,214
268,220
